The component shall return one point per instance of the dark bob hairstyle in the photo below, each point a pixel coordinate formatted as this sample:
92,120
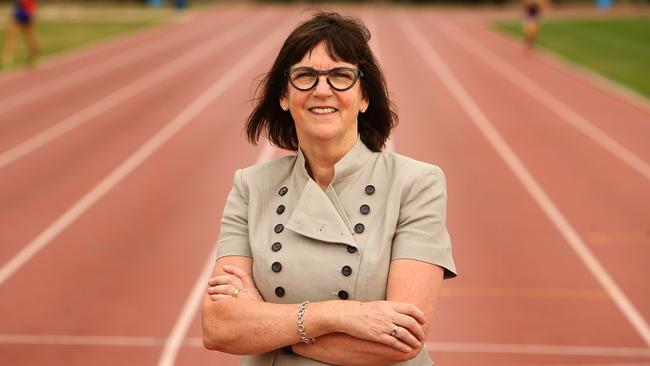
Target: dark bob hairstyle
346,40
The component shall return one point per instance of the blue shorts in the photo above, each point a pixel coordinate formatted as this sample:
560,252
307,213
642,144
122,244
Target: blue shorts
22,17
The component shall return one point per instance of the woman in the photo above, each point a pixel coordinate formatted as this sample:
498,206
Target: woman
336,255
23,20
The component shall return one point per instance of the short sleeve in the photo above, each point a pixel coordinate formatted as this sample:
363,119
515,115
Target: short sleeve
421,231
233,239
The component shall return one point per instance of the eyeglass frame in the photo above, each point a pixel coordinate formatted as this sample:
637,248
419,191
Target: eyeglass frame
358,73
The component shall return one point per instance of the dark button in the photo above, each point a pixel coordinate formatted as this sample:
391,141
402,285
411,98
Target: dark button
279,291
358,228
283,191
276,267
365,209
343,295
276,246
279,227
280,209
346,270
352,249
370,189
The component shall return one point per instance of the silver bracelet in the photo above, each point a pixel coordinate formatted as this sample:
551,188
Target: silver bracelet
301,328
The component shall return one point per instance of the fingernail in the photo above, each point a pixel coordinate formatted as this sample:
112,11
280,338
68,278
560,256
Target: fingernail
213,297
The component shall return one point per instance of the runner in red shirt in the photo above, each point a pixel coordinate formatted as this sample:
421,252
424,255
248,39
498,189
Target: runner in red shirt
22,21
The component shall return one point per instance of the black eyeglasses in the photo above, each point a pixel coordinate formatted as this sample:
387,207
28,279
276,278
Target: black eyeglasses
339,78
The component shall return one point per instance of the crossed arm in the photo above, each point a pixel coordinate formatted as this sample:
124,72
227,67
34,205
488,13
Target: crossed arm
346,332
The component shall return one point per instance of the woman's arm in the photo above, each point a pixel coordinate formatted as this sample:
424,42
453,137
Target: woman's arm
242,326
409,281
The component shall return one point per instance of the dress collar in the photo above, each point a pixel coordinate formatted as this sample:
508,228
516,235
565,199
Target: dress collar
355,159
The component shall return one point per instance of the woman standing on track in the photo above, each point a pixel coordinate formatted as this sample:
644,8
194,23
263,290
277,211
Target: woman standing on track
336,255
22,20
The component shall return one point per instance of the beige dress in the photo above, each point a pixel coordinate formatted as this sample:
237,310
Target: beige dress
316,245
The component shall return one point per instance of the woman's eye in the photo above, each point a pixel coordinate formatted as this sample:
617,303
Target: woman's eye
304,75
344,75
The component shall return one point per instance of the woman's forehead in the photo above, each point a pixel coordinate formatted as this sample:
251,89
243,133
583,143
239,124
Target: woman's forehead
319,58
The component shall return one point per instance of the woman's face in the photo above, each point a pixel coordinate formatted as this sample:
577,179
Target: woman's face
323,113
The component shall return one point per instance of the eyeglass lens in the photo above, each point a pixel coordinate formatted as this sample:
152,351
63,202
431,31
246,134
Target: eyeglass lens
339,78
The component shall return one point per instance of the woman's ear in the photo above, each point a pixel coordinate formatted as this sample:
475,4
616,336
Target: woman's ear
365,103
284,103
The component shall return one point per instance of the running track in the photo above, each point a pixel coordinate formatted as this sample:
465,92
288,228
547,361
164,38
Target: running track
115,163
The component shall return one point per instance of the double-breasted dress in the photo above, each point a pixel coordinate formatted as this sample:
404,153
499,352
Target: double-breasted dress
313,244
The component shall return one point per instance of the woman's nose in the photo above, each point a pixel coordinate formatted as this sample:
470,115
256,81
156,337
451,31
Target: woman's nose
322,88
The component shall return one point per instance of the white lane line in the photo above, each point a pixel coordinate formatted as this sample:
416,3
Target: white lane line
123,94
130,164
81,340
193,302
605,85
463,98
69,79
455,347
538,349
374,44
561,109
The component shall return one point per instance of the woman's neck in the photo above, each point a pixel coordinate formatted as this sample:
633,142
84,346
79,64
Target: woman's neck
320,159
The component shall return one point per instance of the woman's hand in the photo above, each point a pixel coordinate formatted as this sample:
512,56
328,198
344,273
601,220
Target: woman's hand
395,324
227,285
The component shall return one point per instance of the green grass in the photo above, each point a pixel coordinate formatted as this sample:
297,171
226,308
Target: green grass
63,28
617,48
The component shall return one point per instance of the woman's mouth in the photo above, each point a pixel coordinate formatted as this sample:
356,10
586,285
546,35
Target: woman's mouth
322,110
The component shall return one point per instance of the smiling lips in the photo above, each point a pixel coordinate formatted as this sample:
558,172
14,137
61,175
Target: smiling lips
322,110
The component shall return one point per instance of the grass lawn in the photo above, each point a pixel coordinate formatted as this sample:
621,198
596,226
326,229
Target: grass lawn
617,48
62,28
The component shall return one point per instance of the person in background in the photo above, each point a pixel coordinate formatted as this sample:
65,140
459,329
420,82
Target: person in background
335,255
532,13
24,12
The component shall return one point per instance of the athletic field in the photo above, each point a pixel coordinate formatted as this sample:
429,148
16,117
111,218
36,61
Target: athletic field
115,162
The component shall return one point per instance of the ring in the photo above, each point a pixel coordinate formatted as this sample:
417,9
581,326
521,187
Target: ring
394,331
236,292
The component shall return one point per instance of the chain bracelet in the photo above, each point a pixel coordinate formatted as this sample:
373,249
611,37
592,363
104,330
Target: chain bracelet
299,320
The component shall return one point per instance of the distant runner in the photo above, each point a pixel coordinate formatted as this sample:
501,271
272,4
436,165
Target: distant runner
22,20
532,13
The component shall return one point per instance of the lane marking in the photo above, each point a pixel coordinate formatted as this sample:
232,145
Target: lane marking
540,349
591,364
601,83
69,79
618,238
81,340
523,293
128,91
124,169
455,347
192,305
561,109
193,302
438,66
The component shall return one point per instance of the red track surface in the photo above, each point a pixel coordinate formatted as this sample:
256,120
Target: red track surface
105,231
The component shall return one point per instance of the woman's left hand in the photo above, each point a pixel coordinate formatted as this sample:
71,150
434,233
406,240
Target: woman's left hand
236,283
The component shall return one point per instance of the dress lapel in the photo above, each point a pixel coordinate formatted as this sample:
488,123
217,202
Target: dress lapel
316,217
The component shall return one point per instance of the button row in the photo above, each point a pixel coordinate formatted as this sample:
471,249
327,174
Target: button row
343,295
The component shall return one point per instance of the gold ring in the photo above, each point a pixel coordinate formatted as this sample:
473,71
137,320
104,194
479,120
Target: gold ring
236,292
394,331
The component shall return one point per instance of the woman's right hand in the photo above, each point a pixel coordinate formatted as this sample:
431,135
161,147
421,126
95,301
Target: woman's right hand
375,320
235,279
